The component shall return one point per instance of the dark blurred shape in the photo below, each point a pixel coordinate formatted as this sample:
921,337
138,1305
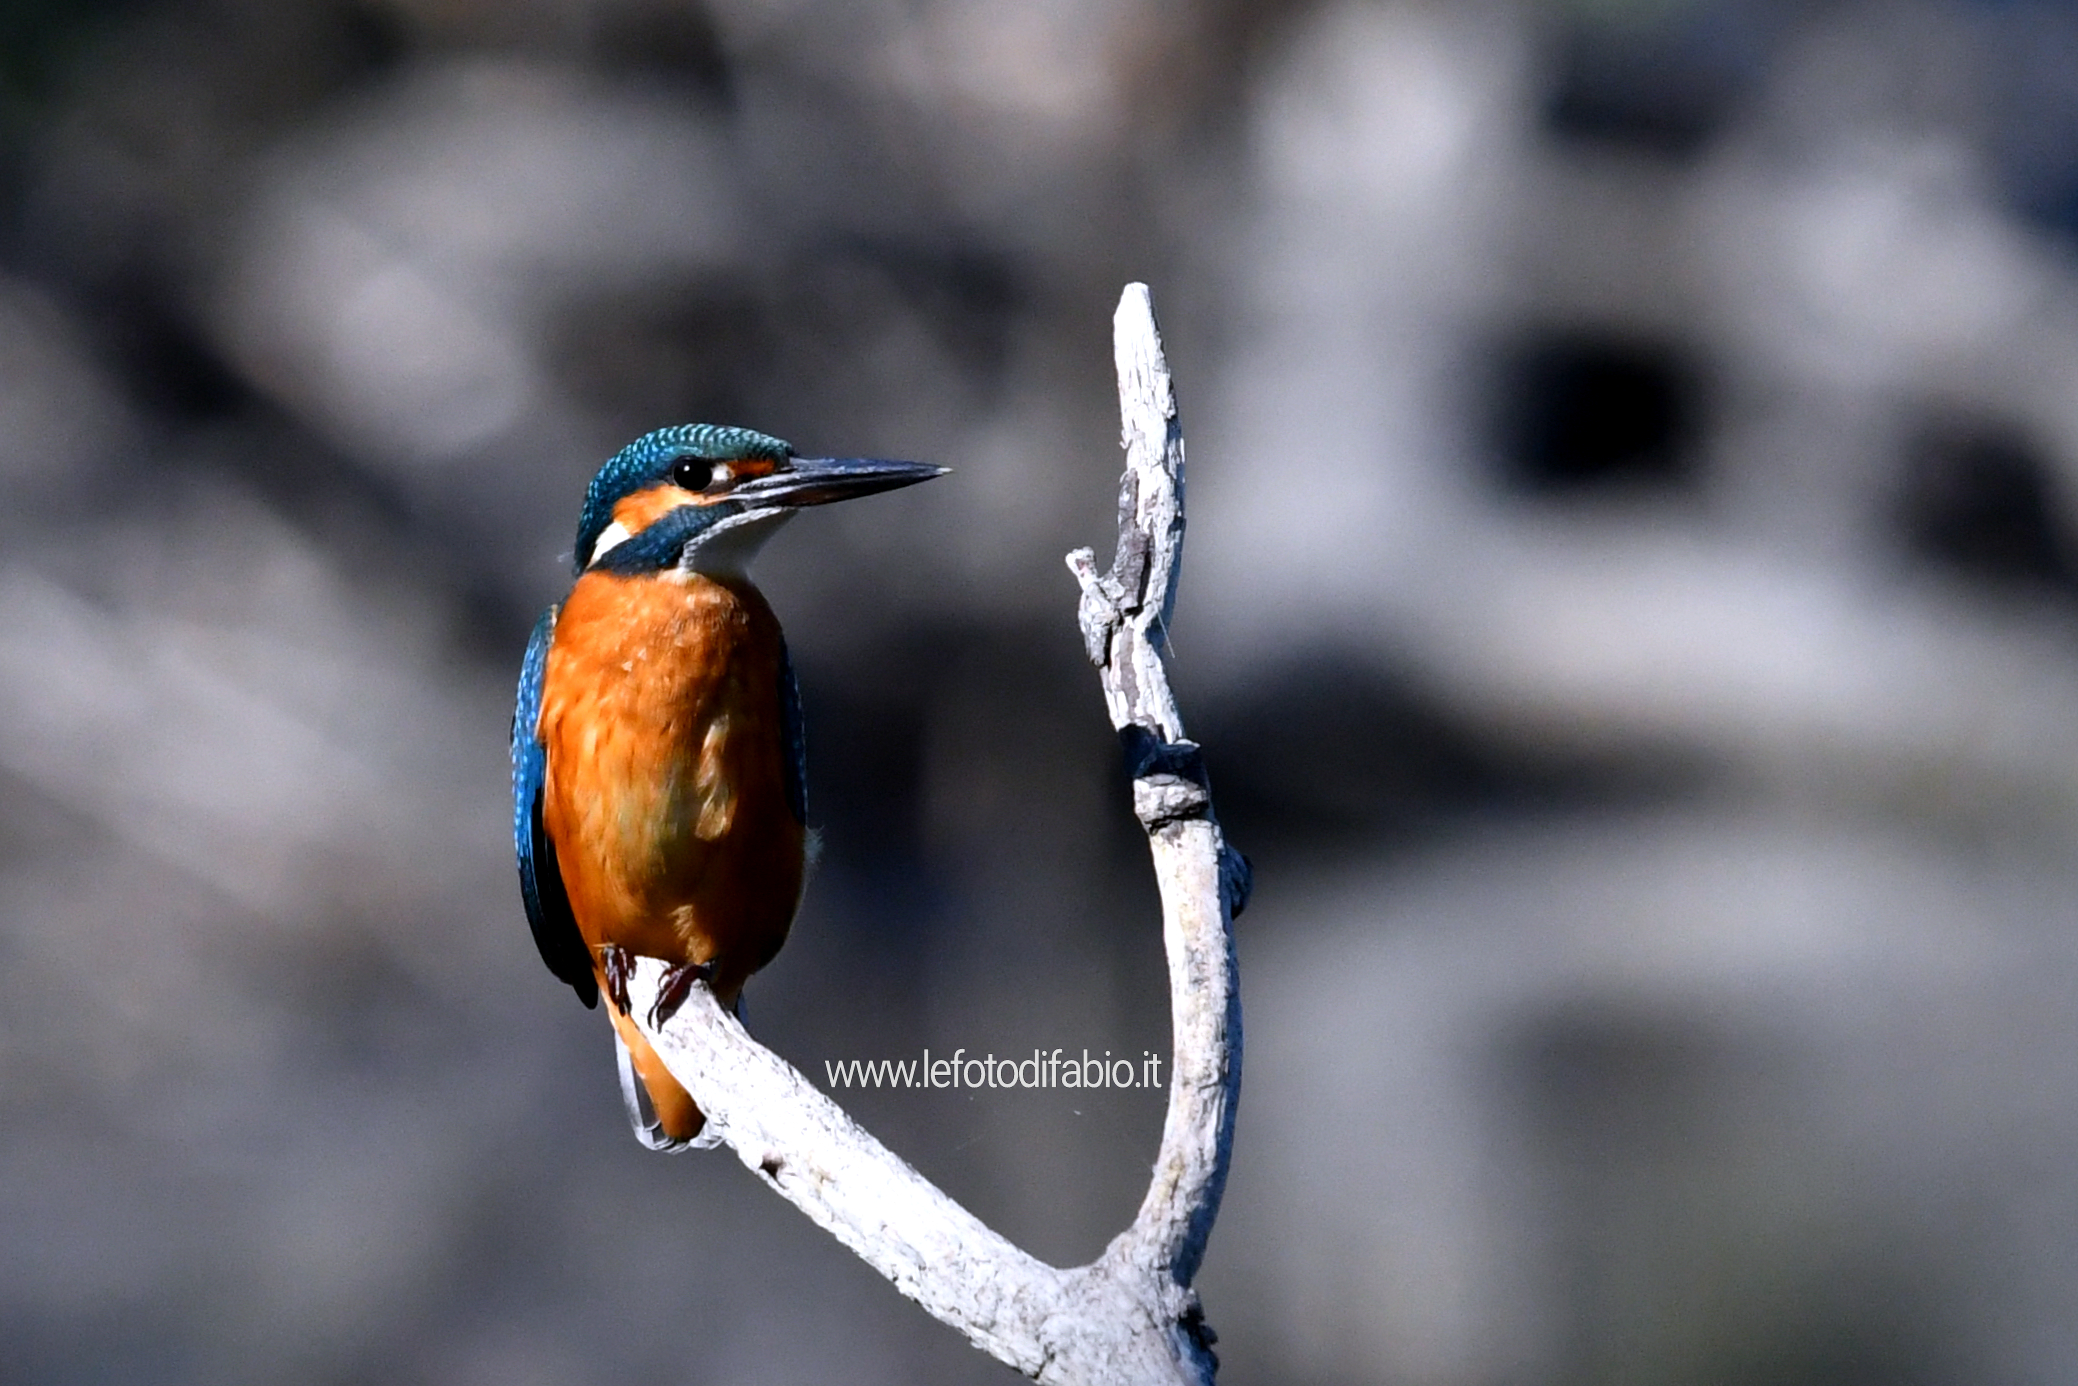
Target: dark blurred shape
40,41
865,777
1327,754
1658,75
1826,1343
1587,411
1638,1108
1980,500
691,350
153,345
1330,751
1609,1079
370,37
2033,106
968,295
676,42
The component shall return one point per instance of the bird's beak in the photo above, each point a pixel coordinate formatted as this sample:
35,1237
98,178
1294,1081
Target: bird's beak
820,480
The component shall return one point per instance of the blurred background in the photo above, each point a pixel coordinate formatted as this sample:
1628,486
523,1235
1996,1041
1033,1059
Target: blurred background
1631,610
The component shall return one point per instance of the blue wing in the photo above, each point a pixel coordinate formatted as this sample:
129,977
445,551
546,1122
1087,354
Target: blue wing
796,751
541,880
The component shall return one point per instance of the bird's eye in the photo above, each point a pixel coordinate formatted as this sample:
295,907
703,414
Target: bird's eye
709,478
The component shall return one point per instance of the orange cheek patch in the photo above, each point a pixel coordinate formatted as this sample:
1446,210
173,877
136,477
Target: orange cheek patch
638,512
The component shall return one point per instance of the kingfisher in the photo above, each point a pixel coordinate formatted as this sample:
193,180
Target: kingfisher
658,782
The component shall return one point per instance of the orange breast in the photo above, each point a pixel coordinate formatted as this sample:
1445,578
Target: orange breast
666,791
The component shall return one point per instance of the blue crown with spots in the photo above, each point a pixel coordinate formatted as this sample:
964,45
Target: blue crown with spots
648,461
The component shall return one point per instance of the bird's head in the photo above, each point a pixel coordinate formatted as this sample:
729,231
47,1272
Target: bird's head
704,498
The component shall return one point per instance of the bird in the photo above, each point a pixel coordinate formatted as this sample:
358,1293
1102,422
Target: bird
658,777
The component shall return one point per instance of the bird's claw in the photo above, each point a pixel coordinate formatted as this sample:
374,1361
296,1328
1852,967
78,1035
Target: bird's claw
675,988
618,964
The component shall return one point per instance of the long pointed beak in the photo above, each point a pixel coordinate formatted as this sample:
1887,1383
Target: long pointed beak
820,480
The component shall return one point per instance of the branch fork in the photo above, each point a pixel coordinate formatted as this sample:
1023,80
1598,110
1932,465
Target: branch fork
1130,1317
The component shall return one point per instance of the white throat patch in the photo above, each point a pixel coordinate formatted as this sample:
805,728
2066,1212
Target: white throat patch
611,537
726,549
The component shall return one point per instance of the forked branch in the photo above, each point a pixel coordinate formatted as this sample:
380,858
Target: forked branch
1129,1317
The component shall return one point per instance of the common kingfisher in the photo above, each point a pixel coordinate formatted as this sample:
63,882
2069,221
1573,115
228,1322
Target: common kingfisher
658,783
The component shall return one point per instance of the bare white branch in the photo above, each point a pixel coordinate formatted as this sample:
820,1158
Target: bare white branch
1130,1317
1125,625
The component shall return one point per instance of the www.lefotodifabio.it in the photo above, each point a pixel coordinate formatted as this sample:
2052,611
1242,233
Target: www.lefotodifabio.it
1045,1069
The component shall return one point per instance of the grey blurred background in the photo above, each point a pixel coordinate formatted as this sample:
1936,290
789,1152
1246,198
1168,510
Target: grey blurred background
1631,609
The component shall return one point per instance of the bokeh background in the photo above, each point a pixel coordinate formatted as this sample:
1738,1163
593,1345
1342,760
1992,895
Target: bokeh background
1631,609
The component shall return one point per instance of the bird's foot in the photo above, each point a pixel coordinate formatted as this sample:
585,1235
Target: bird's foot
675,988
618,964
